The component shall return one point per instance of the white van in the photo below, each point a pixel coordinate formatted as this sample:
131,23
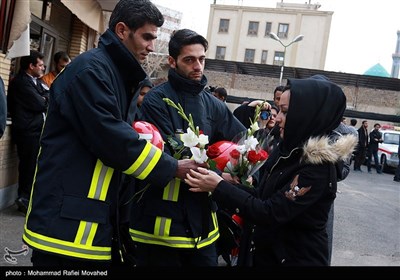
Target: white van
388,150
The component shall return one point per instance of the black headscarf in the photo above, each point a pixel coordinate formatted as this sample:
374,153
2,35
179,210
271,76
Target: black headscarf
316,107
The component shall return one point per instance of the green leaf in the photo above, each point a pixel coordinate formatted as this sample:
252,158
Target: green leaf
213,164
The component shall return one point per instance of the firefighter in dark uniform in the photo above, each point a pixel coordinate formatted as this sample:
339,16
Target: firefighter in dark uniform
88,147
173,227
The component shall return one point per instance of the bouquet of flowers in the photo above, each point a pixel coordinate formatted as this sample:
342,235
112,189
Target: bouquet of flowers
241,157
246,154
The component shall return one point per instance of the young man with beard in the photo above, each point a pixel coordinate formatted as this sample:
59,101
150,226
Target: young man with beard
172,226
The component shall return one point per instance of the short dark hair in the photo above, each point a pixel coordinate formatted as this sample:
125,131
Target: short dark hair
61,55
353,122
31,58
275,107
278,88
135,14
221,92
184,37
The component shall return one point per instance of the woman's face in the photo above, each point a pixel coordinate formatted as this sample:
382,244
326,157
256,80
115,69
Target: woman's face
271,122
284,107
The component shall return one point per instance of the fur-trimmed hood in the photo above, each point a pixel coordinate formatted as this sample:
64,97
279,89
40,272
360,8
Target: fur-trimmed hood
318,150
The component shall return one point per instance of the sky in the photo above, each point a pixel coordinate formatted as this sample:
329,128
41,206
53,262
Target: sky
363,32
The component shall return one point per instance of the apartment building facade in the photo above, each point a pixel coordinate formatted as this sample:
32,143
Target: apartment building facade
242,34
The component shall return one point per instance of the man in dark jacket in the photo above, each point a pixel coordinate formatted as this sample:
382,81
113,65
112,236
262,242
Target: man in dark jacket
375,137
362,146
80,197
172,226
27,104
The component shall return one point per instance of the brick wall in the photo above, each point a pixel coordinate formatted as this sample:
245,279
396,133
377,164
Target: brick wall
358,98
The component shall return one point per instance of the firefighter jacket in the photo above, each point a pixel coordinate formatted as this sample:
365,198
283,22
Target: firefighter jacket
87,146
169,214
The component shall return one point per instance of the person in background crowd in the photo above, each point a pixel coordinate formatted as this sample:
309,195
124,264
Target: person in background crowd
220,93
353,123
27,104
3,108
277,94
396,177
172,226
291,205
375,137
143,89
61,59
245,112
80,202
343,170
362,146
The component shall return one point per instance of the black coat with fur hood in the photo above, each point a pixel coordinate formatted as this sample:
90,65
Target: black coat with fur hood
291,205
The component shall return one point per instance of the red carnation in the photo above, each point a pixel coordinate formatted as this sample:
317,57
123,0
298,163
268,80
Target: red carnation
213,151
263,155
253,157
235,154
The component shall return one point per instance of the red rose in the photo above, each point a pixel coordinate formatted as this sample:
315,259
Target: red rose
253,157
213,151
263,155
235,154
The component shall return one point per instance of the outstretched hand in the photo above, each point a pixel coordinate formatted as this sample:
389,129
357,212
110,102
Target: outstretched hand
202,180
185,165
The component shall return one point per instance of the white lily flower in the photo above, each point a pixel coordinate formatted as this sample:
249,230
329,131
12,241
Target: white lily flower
199,155
242,149
251,143
203,140
190,138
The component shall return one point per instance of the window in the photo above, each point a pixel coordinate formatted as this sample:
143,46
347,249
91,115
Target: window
223,25
268,27
220,54
283,30
249,55
253,28
279,58
264,55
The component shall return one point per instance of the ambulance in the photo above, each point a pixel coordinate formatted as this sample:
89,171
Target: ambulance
388,149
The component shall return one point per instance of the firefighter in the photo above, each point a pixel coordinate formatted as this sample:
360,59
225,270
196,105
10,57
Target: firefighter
172,226
79,199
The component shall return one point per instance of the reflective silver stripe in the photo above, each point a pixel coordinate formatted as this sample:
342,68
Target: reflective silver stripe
66,248
146,161
98,190
173,241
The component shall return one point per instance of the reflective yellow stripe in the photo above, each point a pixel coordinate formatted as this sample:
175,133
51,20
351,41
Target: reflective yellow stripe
82,247
66,248
98,190
145,163
171,191
162,226
174,241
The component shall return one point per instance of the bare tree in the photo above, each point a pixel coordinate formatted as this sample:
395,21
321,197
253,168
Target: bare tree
156,60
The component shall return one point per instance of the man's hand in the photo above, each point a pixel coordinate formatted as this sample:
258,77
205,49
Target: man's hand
185,165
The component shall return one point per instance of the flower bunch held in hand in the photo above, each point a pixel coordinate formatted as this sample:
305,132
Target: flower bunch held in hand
246,153
193,139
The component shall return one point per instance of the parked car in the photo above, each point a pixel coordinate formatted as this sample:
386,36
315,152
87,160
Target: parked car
387,153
